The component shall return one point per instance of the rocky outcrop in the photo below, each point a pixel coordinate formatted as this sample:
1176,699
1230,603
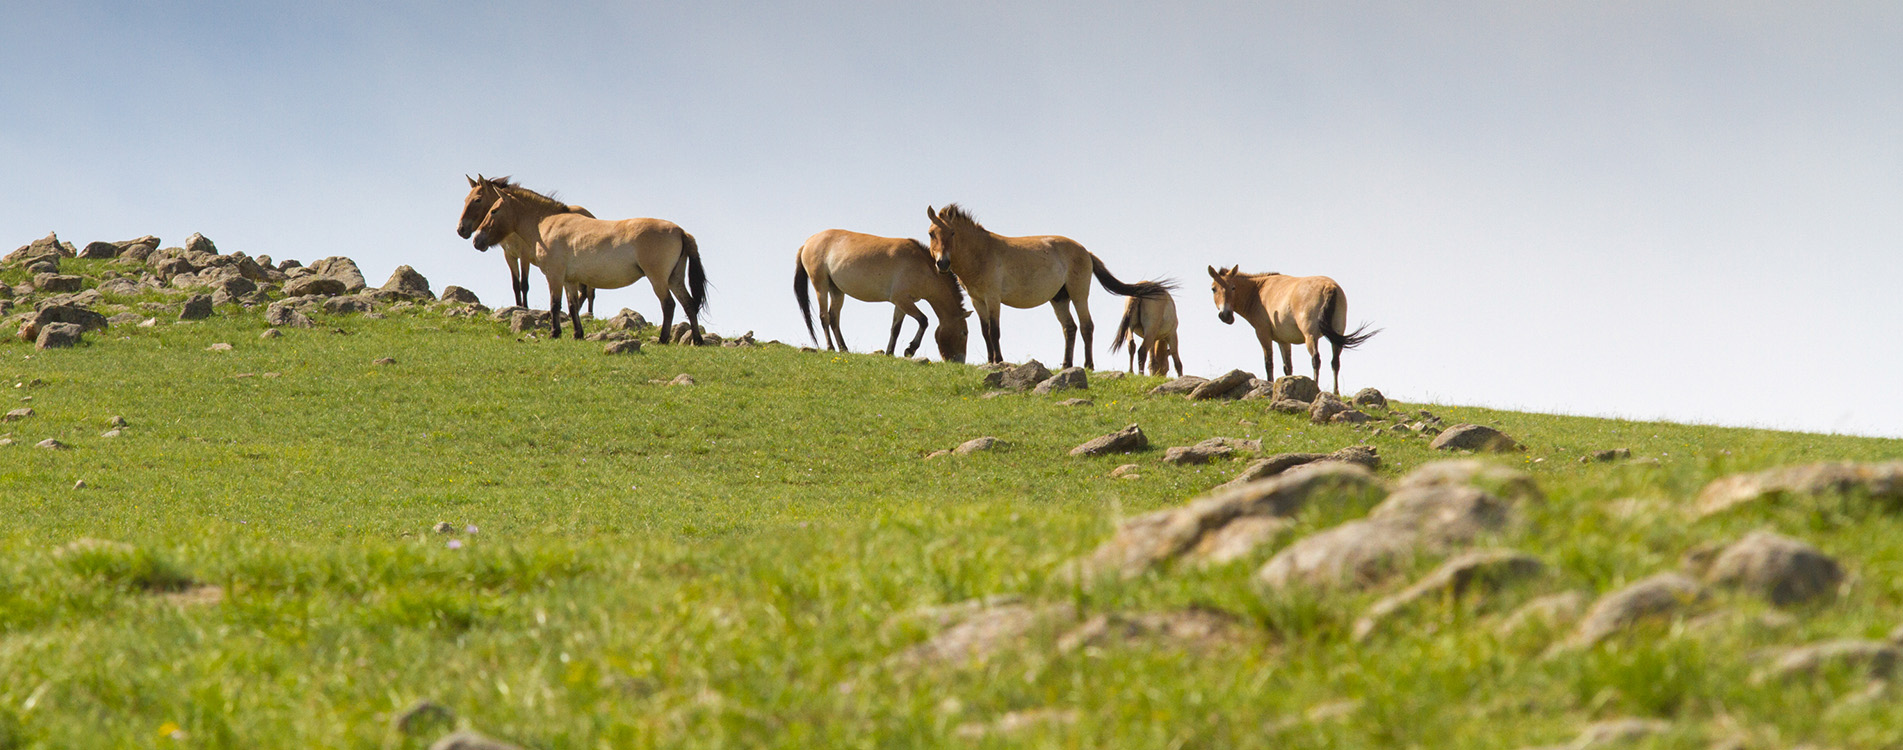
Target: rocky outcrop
1363,455
1661,596
1229,385
1474,437
1126,440
1882,482
1781,569
1069,378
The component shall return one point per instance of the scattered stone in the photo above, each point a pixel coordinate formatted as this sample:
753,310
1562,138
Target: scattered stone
342,269
1238,539
1150,539
1875,659
1371,398
58,313
975,445
1551,612
682,379
79,485
1662,595
1781,569
444,527
219,347
610,334
1184,384
53,283
984,631
116,421
197,243
1474,437
1126,440
1606,456
421,716
323,286
1416,519
405,280
50,444
1126,471
1503,481
124,318
285,314
1069,378
459,295
270,333
936,454
1325,407
99,251
17,414
1485,570
1076,402
1881,481
1018,378
348,304
1229,385
58,336
1349,416
628,346
469,739
1300,388
1364,455
1195,627
383,361
1289,406
148,322
113,433
527,321
1200,453
197,307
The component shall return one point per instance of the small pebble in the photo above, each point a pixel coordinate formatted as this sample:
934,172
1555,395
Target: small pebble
219,347
270,333
79,485
384,361
50,444
112,433
445,527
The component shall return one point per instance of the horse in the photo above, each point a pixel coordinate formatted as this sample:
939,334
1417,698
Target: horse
1288,310
879,269
1023,272
518,253
1154,320
574,251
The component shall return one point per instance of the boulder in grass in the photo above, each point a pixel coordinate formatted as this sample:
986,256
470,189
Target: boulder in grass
1779,568
1069,378
283,313
314,284
58,336
1474,437
99,251
1371,399
1362,455
1324,408
1125,440
1882,482
56,283
1022,377
1294,388
349,304
1184,384
627,320
342,269
1231,384
1477,570
626,346
453,293
198,243
976,445
406,280
198,307
1660,596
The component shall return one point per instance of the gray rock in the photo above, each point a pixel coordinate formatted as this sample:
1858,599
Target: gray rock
1069,378
197,243
74,314
1478,570
197,307
1126,440
270,333
1502,481
627,346
1412,521
1363,455
342,269
58,336
1294,388
682,379
1231,384
1662,595
1197,529
124,318
1350,416
284,313
405,280
1875,659
1371,398
1781,569
1184,384
975,445
1324,408
1289,406
627,320
50,444
453,293
422,716
99,251
349,304
1551,612
16,415
1189,455
235,286
53,283
1882,482
314,284
1606,456
528,321
1070,401
1474,437
1018,378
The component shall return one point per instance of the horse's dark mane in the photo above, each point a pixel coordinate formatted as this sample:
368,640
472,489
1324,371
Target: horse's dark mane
548,201
958,290
954,212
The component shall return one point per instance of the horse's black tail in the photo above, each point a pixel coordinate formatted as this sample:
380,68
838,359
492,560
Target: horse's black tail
696,275
1132,320
799,292
1338,338
1144,289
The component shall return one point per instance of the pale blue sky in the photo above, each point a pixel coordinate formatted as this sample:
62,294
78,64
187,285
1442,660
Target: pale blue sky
1690,211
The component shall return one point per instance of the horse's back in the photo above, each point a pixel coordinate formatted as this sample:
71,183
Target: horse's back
1297,305
869,267
613,253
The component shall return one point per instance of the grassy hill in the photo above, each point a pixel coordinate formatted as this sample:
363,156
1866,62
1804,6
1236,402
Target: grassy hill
751,560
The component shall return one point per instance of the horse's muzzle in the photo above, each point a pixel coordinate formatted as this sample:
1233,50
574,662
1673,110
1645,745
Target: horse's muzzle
943,265
464,232
1227,317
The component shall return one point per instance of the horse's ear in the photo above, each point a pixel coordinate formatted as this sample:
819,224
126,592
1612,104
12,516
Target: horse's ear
1235,269
1213,274
472,180
934,216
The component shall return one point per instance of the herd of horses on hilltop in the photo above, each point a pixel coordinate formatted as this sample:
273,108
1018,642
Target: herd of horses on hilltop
579,253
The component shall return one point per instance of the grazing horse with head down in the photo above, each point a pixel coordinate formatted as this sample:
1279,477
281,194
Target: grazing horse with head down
1288,310
518,253
1152,319
1023,272
576,251
879,269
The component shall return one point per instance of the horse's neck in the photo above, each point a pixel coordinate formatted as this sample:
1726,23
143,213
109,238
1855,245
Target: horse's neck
1248,302
980,256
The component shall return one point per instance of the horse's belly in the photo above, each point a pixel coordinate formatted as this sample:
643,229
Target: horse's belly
602,273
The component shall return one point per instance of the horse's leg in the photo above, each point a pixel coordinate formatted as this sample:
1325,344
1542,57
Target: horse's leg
1084,326
515,281
554,308
667,320
1315,358
588,293
1136,355
1061,306
678,281
837,300
1176,353
910,309
1335,363
574,308
1288,359
988,325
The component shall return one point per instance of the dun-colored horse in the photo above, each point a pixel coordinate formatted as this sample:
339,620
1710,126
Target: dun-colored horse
574,251
1023,272
1152,319
518,253
1288,310
879,269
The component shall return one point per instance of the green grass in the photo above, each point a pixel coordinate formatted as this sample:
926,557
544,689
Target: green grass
723,565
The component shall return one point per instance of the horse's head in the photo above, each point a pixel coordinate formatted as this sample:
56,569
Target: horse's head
1224,288
950,228
496,224
482,194
952,335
